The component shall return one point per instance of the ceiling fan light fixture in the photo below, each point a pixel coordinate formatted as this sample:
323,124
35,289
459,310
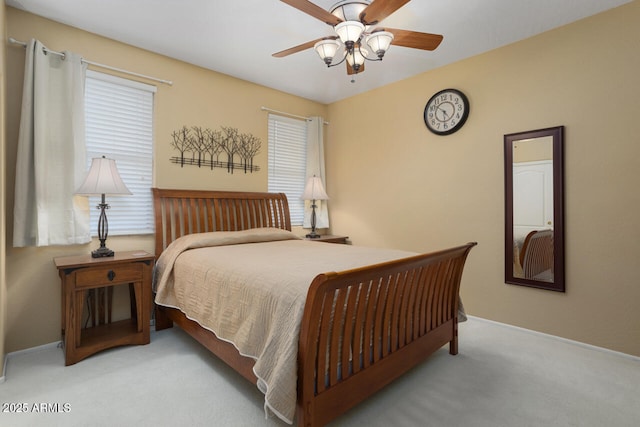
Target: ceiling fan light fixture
352,21
379,42
327,49
349,31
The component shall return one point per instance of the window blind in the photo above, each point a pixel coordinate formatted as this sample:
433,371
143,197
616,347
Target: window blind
119,125
287,160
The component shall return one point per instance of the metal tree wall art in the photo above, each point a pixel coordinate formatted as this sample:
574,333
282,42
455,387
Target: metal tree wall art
203,147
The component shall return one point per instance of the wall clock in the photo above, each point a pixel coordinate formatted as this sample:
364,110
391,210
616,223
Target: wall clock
446,111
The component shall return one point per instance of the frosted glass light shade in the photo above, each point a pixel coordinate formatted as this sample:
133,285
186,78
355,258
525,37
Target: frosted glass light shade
327,49
380,42
349,10
103,178
357,56
349,31
314,190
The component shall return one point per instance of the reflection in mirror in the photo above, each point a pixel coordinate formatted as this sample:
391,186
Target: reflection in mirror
534,252
533,208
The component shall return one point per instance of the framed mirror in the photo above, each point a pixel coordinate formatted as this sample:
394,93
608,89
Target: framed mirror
534,208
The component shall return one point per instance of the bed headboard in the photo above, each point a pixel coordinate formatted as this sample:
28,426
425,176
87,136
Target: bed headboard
181,212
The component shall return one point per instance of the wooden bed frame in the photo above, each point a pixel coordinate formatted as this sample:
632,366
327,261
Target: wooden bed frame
393,315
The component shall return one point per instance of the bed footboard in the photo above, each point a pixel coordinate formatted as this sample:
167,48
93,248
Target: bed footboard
382,320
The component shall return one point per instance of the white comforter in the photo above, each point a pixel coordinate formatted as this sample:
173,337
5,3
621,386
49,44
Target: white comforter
249,288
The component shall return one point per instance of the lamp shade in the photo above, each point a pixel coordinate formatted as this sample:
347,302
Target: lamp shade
349,31
314,190
103,178
357,56
349,10
380,42
327,49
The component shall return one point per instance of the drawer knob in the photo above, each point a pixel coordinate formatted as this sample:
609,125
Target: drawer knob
111,275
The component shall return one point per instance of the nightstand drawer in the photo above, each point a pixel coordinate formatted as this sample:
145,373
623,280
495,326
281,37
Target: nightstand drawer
96,277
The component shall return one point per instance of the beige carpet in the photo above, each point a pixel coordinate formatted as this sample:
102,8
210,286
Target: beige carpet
502,377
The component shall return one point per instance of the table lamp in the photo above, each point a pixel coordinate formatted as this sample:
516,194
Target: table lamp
103,178
314,190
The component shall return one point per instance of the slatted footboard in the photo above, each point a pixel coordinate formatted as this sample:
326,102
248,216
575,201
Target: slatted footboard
365,327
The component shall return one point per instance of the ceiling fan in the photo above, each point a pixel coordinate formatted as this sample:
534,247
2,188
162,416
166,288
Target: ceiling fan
352,21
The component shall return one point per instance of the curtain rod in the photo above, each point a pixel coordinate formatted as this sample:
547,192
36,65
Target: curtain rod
96,64
288,114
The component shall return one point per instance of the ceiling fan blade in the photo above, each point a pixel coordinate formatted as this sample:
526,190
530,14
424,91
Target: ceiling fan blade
413,39
351,71
380,9
300,48
314,10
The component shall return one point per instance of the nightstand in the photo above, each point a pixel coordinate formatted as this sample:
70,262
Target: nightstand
93,279
330,238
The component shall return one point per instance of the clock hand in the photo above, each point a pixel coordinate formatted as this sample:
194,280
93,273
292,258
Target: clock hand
444,112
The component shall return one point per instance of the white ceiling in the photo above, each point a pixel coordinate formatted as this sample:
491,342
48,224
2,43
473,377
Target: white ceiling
237,37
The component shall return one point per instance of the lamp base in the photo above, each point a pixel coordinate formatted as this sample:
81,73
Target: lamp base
313,235
102,252
103,232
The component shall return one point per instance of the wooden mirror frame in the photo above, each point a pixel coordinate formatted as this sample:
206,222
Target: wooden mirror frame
557,134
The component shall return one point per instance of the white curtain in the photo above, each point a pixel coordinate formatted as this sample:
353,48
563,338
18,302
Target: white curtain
315,166
51,160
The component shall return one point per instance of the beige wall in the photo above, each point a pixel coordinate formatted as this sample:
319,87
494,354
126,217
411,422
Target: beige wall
399,185
392,183
197,98
3,286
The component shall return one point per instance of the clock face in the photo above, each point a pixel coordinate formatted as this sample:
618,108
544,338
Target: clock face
446,111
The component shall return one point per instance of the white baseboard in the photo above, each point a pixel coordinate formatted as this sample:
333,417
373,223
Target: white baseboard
55,344
555,337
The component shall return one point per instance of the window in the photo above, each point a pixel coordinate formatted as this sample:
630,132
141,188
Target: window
288,162
119,125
